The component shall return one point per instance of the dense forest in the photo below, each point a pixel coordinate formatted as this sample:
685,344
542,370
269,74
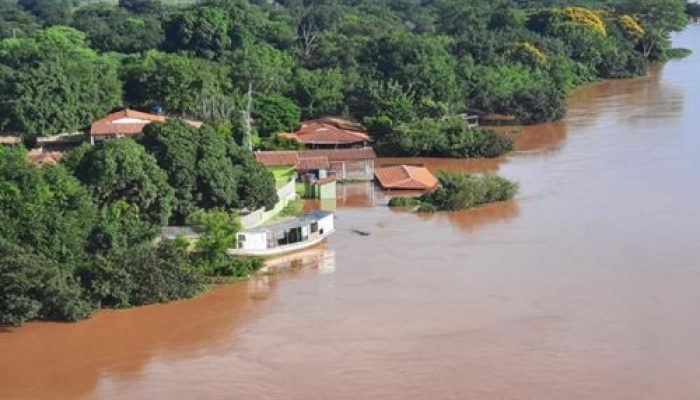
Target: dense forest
81,235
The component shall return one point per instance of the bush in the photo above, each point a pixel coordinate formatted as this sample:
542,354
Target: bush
460,191
403,201
239,267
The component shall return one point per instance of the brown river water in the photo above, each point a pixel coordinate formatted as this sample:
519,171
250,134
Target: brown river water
586,286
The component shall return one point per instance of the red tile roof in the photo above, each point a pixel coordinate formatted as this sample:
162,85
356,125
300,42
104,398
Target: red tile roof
311,163
329,130
277,158
357,154
136,122
313,159
406,177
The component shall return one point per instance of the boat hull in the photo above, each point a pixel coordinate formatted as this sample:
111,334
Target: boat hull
279,250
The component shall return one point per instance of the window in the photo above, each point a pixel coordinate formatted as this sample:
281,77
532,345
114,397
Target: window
314,227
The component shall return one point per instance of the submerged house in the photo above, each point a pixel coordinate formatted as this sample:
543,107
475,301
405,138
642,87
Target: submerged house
330,133
126,123
284,237
406,177
347,164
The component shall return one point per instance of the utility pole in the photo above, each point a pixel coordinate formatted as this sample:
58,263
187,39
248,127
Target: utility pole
247,138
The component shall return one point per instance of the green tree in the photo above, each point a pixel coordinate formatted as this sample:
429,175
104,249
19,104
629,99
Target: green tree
15,21
34,285
203,31
120,169
318,92
262,68
177,82
175,145
419,62
142,6
52,83
275,113
45,220
50,12
115,29
219,229
658,18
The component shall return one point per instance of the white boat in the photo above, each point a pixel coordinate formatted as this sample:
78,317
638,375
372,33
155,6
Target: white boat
285,237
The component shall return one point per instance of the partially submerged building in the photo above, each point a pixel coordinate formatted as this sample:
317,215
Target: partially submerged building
406,177
348,164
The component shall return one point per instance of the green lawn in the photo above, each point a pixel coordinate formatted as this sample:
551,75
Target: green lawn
282,174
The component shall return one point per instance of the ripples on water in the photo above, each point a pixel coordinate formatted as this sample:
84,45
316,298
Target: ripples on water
586,286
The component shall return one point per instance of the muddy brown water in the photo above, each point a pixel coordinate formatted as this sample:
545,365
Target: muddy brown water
586,286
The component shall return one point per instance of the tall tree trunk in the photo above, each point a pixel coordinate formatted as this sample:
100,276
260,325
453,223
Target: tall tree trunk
247,138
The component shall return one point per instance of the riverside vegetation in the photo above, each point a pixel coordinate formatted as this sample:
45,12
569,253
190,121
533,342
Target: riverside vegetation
459,191
82,235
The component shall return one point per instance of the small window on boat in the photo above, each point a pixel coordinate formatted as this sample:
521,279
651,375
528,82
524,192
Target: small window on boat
314,227
241,238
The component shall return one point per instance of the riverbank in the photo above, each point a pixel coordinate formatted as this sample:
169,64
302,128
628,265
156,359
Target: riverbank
584,286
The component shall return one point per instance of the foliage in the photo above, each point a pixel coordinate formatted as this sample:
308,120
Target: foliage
219,229
116,29
120,169
51,82
207,169
458,191
274,113
203,31
318,92
277,142
142,274
178,83
15,21
449,137
50,12
403,201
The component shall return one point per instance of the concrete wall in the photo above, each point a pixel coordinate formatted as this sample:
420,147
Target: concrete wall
286,194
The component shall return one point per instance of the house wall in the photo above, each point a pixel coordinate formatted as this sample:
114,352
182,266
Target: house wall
362,170
327,191
286,194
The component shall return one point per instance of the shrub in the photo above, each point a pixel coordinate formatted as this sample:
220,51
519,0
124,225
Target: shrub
460,191
403,201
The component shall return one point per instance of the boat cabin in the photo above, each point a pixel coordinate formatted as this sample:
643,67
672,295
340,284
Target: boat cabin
295,234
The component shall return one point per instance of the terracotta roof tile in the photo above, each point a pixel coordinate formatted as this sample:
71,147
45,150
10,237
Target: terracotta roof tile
311,163
277,158
329,130
406,177
109,125
357,154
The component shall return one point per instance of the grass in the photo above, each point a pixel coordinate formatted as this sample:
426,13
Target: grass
282,174
294,208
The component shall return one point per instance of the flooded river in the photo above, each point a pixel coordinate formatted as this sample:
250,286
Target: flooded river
586,286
